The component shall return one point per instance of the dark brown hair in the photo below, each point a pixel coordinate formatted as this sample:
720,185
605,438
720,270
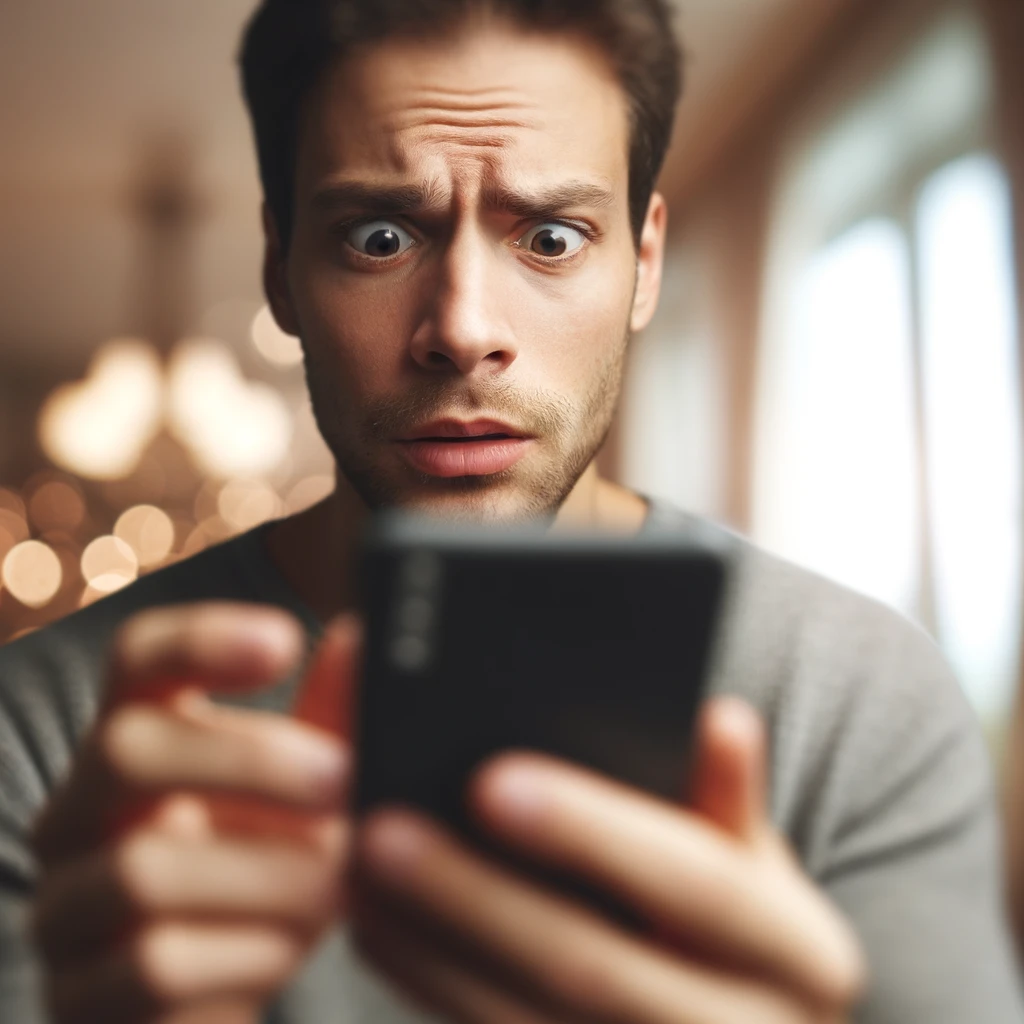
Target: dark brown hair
289,44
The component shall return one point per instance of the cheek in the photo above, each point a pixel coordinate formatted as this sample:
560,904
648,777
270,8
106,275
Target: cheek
577,325
359,331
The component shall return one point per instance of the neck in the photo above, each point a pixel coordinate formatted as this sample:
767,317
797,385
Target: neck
316,550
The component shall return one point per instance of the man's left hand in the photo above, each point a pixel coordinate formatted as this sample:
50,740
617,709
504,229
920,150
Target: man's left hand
737,933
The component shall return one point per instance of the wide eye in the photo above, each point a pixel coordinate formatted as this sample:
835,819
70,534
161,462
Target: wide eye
380,239
552,240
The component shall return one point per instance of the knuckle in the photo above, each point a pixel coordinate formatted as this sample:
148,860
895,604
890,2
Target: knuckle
246,759
139,869
159,958
124,739
172,963
134,639
167,639
266,760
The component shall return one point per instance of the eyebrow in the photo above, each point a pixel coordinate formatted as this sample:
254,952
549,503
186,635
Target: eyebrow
547,202
380,198
401,199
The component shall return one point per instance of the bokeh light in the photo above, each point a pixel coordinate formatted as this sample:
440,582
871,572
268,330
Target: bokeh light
90,595
232,427
108,564
206,499
13,524
272,343
243,504
69,552
148,531
12,502
308,492
56,505
32,573
99,427
210,531
7,542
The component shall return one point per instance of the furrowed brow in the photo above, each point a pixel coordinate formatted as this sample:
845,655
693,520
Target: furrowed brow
547,202
365,198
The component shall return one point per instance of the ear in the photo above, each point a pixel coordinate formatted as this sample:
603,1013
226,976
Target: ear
275,276
650,260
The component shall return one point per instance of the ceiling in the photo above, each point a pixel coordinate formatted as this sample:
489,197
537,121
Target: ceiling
87,89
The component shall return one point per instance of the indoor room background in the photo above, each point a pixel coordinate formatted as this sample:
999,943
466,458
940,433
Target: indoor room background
834,370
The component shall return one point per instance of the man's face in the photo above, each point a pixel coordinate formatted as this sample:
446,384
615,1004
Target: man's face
462,268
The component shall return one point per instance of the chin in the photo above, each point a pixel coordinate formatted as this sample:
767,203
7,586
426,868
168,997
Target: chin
470,500
518,495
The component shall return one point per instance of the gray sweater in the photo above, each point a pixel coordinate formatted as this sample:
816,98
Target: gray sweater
879,778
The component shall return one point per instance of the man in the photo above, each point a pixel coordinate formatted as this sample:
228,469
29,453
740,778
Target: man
461,227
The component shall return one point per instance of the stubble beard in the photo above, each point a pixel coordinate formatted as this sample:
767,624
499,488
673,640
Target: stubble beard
570,434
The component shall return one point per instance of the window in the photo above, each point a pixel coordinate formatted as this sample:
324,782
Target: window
846,417
889,412
972,424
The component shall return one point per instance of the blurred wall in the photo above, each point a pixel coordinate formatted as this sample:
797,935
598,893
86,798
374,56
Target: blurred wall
129,205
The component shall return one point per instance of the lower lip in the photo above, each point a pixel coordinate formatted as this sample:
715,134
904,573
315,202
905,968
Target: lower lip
464,458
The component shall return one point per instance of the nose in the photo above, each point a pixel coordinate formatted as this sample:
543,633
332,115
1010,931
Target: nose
464,328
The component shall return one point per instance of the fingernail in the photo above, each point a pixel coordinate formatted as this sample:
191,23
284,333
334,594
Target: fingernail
738,719
518,794
328,766
394,847
279,637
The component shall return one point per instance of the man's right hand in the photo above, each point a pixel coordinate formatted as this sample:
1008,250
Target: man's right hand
195,852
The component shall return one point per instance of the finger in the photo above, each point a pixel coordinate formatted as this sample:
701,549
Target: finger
436,981
220,749
217,646
197,817
142,751
729,769
752,911
92,903
325,698
171,967
221,1011
567,952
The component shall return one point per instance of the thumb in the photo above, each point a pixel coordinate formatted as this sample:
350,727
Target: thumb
326,696
729,768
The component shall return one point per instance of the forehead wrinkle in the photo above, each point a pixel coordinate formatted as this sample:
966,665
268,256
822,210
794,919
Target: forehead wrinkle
470,98
497,117
445,119
474,139
495,107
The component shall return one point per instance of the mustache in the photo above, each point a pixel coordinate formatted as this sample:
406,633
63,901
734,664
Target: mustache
534,412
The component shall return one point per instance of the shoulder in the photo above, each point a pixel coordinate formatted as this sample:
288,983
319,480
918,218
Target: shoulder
872,741
786,625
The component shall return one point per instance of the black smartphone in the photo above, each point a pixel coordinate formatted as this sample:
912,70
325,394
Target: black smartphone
591,648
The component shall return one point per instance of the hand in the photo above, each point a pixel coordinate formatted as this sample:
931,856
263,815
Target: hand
192,857
737,934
